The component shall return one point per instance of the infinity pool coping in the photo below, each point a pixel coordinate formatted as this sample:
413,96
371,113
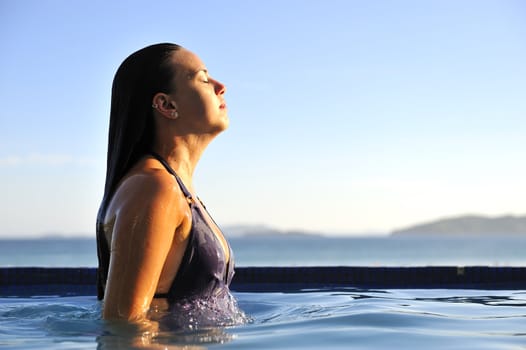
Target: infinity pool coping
79,281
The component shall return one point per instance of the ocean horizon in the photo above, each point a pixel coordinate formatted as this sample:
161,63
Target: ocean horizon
298,249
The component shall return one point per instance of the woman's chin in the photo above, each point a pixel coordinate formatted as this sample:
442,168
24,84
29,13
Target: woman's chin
224,122
220,125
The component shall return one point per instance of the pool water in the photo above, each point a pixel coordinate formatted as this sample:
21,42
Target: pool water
311,319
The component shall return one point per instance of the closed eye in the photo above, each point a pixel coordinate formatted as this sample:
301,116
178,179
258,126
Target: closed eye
202,74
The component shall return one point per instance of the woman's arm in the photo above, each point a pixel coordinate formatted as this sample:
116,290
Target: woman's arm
143,234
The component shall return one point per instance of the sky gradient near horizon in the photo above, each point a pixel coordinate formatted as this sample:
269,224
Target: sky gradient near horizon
346,117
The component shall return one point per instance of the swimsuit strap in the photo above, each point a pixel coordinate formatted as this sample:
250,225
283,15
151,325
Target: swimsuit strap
167,166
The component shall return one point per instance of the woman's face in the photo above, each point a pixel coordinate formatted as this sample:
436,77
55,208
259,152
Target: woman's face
199,98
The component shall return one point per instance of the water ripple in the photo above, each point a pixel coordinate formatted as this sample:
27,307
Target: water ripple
343,319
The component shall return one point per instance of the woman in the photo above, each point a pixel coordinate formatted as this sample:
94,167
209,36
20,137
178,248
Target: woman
155,240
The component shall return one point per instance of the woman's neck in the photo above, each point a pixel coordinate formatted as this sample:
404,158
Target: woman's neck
183,153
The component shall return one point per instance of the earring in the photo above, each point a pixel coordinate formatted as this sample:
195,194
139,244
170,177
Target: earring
154,105
174,114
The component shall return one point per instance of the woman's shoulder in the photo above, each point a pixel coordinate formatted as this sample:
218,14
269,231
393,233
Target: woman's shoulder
150,202
144,189
152,181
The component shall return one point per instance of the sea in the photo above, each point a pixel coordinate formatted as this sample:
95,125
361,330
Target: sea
299,250
341,318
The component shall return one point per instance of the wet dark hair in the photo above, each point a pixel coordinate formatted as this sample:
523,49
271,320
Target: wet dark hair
143,74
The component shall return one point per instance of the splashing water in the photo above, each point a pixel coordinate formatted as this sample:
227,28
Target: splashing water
219,310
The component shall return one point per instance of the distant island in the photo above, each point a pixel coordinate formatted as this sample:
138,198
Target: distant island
255,231
468,225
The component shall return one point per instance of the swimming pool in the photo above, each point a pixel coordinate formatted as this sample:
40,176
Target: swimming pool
323,312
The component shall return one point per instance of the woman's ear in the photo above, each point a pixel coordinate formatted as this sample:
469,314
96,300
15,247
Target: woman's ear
165,106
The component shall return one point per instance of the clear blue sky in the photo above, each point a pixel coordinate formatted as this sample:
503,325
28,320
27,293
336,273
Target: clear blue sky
346,116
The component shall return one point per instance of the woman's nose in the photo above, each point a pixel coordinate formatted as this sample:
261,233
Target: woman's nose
219,88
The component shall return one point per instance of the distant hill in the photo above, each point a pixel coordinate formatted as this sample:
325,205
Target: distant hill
468,225
254,231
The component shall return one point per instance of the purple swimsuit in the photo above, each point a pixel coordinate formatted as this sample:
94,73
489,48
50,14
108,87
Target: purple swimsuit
203,272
